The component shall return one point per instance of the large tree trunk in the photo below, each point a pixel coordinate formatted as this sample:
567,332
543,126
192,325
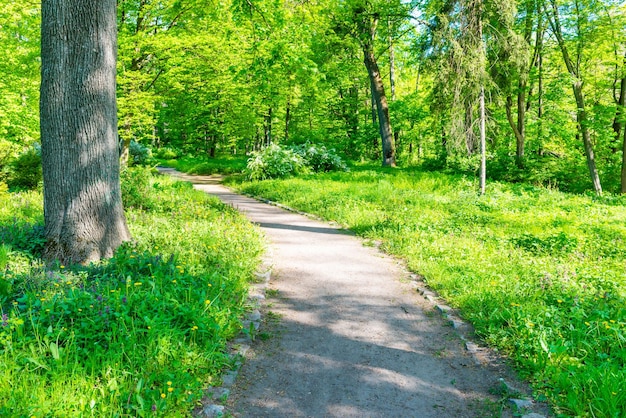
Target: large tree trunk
84,218
382,108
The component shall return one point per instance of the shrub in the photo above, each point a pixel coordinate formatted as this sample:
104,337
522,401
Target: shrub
136,191
140,154
320,159
25,171
166,153
274,162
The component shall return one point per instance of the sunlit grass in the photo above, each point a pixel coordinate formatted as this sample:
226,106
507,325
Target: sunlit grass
541,274
141,334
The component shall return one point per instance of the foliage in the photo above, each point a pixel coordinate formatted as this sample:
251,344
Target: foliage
320,159
25,171
141,334
222,164
274,161
539,273
140,154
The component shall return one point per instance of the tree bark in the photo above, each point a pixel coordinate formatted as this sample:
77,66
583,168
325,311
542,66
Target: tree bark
518,126
483,144
623,188
84,217
382,107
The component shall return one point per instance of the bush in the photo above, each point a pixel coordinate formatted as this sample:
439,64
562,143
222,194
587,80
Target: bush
25,171
320,159
136,190
166,153
140,154
274,162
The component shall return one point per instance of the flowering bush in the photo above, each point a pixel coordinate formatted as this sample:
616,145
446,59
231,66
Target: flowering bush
274,162
319,158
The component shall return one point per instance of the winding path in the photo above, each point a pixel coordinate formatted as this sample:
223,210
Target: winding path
354,337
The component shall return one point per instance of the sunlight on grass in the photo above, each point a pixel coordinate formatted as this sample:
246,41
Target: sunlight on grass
140,334
540,274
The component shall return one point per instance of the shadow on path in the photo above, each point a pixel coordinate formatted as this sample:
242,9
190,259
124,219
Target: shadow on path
353,337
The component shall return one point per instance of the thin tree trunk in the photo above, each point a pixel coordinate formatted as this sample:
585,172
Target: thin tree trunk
515,126
84,217
392,67
623,188
378,92
287,119
483,144
581,117
577,86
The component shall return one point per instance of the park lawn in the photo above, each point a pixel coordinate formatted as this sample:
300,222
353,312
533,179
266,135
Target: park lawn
141,334
540,274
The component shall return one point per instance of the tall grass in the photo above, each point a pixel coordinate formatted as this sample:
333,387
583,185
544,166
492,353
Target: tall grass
540,274
140,334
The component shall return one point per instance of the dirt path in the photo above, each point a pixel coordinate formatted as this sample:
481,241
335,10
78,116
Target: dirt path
354,338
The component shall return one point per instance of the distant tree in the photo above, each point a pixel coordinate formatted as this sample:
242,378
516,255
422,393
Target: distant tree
572,57
84,218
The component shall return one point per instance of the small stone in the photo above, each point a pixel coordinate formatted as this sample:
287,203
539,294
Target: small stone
471,347
457,323
213,411
533,415
255,316
218,394
229,378
444,309
521,403
431,298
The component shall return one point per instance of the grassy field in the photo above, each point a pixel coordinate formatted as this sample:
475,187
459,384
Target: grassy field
139,335
540,274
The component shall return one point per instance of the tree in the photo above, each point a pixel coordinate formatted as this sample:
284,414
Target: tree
573,67
84,217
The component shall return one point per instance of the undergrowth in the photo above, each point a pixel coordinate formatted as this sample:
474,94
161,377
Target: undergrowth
222,164
539,273
140,334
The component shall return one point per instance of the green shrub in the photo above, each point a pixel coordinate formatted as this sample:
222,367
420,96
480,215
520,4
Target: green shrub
140,154
166,153
320,159
274,162
136,190
25,171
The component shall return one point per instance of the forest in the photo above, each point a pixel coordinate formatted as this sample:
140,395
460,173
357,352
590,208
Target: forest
482,141
208,78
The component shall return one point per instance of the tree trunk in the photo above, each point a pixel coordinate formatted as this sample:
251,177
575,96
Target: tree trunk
577,86
581,118
392,67
483,144
287,119
84,217
382,108
518,126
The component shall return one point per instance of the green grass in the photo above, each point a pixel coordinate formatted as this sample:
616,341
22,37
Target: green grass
141,334
222,164
540,274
